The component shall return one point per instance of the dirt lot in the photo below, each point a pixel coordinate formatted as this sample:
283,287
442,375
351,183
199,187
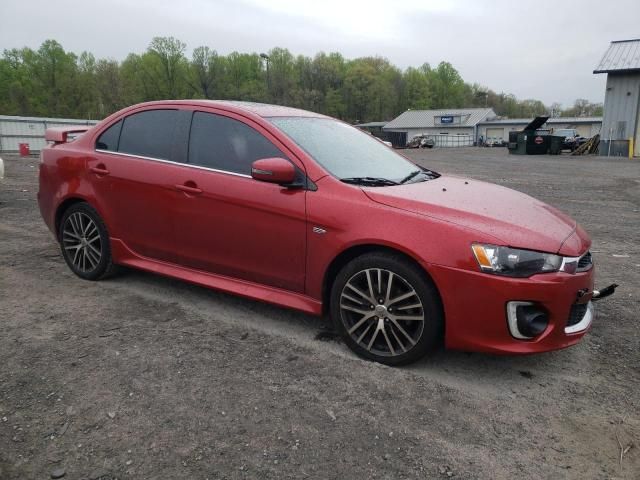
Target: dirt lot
146,377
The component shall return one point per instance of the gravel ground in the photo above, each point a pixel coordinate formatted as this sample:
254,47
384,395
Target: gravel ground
142,376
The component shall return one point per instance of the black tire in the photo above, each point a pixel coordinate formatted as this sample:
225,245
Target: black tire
81,234
395,341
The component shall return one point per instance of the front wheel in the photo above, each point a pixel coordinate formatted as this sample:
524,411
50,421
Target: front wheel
386,309
84,241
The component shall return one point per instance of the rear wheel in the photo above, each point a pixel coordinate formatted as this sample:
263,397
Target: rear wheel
84,241
386,309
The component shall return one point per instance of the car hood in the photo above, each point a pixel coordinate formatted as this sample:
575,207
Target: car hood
511,217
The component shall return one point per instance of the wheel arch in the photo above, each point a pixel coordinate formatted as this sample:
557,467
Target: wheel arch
355,251
63,207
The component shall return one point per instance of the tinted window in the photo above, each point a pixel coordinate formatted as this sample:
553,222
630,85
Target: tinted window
149,133
227,144
109,138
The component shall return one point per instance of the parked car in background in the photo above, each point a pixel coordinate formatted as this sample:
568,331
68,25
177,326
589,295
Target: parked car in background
572,139
304,211
421,141
384,142
495,142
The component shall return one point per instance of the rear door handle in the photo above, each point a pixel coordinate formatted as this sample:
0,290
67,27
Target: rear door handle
192,190
99,170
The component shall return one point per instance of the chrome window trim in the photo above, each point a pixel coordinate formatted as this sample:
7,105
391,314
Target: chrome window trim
584,323
174,163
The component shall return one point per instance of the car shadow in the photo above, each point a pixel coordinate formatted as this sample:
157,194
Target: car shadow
221,305
500,373
455,368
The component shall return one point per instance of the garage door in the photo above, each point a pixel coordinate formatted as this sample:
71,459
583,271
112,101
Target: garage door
584,130
636,147
496,134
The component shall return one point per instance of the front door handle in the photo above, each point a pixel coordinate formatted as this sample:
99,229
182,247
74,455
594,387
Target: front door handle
190,189
99,170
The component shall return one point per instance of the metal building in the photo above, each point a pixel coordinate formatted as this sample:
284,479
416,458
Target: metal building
621,121
374,128
497,131
17,130
448,128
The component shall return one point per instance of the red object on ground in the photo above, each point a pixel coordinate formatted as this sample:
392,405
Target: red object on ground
24,149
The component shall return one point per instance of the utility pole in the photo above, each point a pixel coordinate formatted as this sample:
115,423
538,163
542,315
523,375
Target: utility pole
266,59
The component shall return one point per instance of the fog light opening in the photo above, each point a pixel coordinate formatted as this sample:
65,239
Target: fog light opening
526,320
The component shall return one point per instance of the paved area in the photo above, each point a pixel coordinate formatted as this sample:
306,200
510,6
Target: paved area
146,377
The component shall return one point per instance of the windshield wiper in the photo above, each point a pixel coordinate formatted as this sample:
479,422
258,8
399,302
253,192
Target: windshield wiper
410,176
431,175
371,181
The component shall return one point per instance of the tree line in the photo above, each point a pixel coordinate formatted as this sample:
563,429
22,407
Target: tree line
53,82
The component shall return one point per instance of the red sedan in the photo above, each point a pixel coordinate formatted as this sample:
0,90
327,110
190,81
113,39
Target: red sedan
304,211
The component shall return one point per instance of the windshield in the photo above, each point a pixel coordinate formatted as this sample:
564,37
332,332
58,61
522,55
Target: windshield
346,152
565,133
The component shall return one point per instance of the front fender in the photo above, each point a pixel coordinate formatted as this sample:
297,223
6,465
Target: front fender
337,225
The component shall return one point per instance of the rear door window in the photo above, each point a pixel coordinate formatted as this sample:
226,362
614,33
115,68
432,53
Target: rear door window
149,133
222,143
108,140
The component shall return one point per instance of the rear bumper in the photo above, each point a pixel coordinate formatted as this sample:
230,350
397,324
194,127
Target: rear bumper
47,213
45,196
475,306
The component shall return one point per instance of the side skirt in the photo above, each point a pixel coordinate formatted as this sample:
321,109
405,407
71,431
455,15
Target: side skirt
123,255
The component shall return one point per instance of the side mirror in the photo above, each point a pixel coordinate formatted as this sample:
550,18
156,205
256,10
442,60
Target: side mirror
273,170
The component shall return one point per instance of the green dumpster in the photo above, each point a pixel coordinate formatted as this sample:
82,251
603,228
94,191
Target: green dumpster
556,144
531,140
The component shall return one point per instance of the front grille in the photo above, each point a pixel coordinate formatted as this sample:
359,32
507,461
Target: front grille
577,313
585,262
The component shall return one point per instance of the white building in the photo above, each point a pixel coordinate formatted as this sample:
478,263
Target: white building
621,124
466,126
30,130
498,130
452,127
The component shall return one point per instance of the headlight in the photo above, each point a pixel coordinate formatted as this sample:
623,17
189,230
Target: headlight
513,262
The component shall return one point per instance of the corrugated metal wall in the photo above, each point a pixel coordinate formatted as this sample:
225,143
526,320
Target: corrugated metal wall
585,129
621,104
17,130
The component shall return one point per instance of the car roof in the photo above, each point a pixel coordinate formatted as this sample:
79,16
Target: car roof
261,109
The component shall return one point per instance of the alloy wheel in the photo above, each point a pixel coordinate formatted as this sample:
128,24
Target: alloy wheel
382,312
81,242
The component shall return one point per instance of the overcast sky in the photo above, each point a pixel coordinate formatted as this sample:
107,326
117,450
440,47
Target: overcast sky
544,49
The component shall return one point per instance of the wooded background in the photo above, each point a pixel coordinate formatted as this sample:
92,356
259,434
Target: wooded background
53,82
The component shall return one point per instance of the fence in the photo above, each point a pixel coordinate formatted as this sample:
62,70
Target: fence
17,130
444,140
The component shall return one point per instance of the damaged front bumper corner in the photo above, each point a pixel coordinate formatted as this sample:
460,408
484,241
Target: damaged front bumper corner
604,293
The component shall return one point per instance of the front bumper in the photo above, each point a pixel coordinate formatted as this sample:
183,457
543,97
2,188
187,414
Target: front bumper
475,307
